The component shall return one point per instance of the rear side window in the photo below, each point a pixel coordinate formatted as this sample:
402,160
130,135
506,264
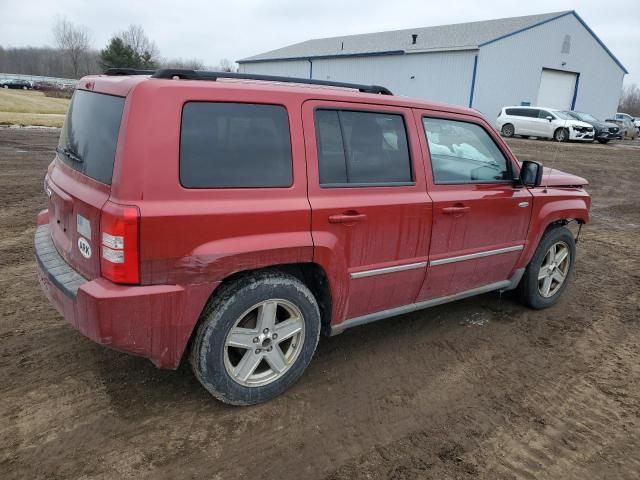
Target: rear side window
89,136
362,148
241,145
463,152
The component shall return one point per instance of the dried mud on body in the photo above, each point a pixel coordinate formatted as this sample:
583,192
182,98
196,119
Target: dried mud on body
482,388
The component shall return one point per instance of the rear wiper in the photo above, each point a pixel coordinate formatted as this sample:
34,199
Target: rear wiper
70,154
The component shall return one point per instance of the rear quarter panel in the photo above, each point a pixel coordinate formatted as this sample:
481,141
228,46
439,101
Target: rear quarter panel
191,236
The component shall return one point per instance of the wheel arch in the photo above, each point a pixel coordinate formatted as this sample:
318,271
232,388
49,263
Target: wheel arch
311,274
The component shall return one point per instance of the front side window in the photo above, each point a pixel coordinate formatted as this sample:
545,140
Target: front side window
234,145
362,148
463,152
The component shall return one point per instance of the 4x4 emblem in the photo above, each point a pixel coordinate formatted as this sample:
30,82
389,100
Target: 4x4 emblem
84,247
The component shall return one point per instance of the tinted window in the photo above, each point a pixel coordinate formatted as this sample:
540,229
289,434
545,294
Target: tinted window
516,112
90,134
234,145
463,152
362,148
544,114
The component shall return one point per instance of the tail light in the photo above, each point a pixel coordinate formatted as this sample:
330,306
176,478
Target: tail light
119,231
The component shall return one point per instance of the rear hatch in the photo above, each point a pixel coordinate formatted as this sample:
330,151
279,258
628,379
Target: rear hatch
78,183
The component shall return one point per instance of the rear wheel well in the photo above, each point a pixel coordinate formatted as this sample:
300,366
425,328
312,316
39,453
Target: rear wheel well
311,274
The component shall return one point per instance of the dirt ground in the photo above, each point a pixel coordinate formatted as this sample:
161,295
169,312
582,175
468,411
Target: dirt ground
482,388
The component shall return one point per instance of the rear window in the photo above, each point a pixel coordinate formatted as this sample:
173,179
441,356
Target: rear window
241,145
90,134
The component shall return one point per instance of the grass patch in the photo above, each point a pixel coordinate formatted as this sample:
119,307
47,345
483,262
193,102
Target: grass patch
39,119
29,101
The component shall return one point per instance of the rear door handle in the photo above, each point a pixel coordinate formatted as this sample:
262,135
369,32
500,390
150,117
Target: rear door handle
347,217
456,210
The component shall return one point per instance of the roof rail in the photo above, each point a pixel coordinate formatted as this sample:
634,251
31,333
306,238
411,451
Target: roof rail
127,71
202,75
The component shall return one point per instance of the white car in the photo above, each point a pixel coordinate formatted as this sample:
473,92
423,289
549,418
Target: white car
542,123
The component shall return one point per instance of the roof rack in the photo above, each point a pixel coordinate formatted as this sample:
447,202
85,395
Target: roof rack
127,71
213,76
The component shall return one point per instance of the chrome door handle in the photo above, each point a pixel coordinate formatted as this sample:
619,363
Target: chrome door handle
523,204
347,217
456,210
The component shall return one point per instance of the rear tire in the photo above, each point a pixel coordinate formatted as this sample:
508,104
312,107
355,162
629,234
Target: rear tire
561,135
256,337
603,141
547,275
508,130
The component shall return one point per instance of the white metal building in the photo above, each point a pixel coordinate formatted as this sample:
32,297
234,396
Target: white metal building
553,60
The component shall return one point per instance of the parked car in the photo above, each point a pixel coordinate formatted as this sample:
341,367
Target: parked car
604,131
231,222
542,123
627,128
14,83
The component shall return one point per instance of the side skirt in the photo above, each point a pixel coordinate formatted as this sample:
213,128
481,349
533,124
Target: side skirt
504,285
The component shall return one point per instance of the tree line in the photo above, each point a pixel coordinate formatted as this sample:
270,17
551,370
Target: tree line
72,54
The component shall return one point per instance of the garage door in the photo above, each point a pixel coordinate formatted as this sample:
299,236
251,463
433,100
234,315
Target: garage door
557,89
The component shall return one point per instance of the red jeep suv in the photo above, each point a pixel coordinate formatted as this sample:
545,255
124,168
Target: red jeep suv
230,219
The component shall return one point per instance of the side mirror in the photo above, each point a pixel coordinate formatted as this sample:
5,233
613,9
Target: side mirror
549,117
530,174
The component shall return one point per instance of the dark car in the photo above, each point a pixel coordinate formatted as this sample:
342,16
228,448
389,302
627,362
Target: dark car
13,83
604,131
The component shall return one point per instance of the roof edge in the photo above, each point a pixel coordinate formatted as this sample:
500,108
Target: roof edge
322,57
570,12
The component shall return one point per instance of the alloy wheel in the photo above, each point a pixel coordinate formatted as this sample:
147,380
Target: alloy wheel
554,269
264,342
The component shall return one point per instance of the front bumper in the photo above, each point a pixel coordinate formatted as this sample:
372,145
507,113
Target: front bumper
581,135
153,321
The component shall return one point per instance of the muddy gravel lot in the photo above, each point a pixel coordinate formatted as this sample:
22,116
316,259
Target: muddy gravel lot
483,388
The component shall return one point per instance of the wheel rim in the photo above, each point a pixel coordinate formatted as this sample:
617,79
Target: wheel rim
554,269
560,136
264,342
507,130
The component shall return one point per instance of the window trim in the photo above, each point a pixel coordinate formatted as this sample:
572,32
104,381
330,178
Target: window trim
347,154
472,182
293,179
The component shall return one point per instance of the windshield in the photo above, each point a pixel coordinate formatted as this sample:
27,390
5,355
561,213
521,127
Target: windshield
563,115
90,134
585,116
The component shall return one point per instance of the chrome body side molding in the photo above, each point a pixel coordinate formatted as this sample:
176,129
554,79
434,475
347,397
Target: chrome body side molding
471,256
382,271
392,312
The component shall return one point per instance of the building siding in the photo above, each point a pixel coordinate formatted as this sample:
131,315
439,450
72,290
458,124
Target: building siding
442,76
509,70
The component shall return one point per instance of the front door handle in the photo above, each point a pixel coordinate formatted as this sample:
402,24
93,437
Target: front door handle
347,217
458,210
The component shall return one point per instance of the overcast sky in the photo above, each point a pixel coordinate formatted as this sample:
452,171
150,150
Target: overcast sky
212,30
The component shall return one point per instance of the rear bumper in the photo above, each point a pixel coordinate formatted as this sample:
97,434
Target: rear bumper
152,321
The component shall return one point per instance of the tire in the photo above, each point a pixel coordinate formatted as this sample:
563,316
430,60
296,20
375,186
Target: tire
237,308
561,135
508,130
603,140
532,287
5,86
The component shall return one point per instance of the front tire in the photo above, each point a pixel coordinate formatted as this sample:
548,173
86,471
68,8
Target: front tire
508,130
603,140
561,135
256,337
547,275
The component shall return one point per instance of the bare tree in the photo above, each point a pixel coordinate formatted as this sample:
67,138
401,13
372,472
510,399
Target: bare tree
188,63
630,100
74,41
226,65
137,39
